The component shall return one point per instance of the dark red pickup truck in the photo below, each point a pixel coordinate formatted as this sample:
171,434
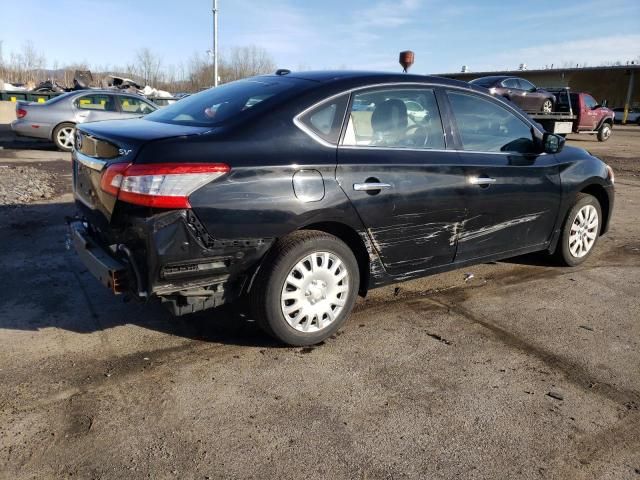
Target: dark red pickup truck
577,112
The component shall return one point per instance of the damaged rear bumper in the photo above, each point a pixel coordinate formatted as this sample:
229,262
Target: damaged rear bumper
168,257
109,271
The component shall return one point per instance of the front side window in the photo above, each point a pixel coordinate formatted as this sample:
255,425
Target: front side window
399,118
100,102
135,105
590,102
485,126
325,120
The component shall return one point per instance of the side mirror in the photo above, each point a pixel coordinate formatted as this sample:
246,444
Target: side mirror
552,143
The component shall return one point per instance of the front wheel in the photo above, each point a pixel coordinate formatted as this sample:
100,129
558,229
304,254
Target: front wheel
580,231
604,133
306,288
547,106
63,136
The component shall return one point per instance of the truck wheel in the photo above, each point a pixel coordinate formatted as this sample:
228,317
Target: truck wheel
306,288
547,106
604,133
580,231
63,136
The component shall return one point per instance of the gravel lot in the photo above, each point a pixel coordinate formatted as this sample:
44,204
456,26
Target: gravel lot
525,371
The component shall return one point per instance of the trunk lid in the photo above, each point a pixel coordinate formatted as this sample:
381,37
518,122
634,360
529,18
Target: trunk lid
100,144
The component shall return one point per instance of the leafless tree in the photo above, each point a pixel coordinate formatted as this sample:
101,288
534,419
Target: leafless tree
146,66
247,62
28,66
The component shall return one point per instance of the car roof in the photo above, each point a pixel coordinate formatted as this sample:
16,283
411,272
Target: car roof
494,78
106,91
365,77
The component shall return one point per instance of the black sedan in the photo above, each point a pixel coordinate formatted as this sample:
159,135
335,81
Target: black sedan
283,190
520,91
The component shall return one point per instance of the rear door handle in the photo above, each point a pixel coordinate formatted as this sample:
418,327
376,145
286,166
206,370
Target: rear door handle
482,180
369,186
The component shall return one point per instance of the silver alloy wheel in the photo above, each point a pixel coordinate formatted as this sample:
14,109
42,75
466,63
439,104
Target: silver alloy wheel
66,136
547,106
315,292
584,231
606,132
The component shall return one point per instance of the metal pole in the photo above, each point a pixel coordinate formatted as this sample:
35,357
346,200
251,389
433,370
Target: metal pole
628,99
215,43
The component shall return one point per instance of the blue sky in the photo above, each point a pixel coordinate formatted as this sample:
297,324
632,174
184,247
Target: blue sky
484,35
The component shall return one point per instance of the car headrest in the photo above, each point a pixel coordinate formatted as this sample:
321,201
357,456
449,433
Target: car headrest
390,116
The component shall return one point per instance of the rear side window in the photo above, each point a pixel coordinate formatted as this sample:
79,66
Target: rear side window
397,118
485,126
231,100
135,105
100,102
325,120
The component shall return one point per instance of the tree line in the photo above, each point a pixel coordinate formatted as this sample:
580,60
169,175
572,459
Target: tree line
29,66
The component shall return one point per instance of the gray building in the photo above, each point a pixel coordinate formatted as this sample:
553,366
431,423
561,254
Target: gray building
614,84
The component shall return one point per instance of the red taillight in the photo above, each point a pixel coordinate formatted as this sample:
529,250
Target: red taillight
159,185
21,112
112,178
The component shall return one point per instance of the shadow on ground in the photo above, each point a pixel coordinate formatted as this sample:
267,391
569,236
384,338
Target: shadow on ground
44,285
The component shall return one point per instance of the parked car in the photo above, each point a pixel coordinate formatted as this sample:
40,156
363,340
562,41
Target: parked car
632,117
520,91
57,118
302,201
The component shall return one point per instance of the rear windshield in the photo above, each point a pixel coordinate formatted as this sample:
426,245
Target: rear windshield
483,82
57,98
216,105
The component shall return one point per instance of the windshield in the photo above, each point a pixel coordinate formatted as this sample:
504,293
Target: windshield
216,105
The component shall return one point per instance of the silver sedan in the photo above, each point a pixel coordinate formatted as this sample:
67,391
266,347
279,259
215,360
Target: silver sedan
56,119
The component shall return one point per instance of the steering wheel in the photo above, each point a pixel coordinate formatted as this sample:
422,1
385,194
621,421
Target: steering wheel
415,138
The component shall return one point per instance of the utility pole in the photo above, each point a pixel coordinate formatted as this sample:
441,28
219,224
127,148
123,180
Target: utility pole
215,43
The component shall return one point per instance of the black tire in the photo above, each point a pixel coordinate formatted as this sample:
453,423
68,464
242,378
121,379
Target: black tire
563,250
547,106
604,132
56,136
270,281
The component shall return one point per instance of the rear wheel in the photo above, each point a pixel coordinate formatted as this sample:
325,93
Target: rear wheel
604,133
63,136
547,106
580,231
306,288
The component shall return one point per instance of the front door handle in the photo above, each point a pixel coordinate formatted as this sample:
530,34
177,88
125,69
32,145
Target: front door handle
482,180
370,186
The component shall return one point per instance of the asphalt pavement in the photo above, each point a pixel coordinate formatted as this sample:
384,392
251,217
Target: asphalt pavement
515,369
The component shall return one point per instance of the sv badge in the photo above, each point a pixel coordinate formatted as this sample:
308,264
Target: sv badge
123,153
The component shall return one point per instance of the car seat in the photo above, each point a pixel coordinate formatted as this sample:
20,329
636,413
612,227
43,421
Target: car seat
389,122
